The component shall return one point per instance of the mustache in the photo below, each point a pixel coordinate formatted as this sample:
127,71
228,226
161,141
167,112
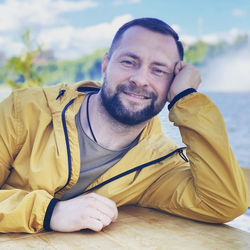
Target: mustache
131,88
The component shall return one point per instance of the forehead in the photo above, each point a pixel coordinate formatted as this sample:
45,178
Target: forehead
144,42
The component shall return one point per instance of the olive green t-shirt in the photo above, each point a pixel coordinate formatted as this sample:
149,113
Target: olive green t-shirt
95,160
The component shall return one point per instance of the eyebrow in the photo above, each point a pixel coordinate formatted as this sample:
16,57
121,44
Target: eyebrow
160,64
131,55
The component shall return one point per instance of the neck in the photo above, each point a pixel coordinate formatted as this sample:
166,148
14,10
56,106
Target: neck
109,133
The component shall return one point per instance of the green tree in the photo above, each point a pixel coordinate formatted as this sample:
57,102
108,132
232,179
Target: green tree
196,53
21,70
69,71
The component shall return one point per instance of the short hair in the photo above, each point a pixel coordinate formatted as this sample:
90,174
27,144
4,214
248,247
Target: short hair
152,24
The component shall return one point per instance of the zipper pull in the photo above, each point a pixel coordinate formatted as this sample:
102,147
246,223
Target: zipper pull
182,155
61,93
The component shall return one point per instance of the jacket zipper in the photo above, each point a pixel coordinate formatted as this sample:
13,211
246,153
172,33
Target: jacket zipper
67,143
140,167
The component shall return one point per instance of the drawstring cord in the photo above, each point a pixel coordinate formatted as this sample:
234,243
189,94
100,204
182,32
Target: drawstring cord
89,124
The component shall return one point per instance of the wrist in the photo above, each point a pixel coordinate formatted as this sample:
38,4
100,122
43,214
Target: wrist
48,215
179,96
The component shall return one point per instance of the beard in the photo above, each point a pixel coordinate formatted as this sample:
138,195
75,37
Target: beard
128,115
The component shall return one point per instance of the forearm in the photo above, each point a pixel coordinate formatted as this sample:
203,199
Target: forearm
209,188
23,211
217,176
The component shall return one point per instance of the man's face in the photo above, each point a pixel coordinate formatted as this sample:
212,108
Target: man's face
138,75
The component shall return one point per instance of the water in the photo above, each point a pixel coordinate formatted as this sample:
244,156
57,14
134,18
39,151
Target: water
235,110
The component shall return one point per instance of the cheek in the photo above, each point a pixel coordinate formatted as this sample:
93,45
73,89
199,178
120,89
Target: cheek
162,88
114,77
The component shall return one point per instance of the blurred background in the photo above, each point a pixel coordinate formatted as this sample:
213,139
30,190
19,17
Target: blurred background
45,42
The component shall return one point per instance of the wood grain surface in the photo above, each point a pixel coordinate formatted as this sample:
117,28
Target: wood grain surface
137,228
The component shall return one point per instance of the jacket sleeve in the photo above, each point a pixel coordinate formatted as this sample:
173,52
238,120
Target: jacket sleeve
20,210
211,187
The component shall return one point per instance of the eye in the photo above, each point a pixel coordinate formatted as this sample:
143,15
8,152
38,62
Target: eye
127,63
158,72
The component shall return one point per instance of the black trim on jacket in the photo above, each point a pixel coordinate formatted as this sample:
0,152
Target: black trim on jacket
86,89
140,167
53,202
49,211
51,206
67,142
180,95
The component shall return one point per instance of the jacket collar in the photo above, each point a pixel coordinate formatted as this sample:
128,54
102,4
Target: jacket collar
78,91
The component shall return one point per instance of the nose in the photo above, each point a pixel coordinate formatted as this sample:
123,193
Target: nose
140,77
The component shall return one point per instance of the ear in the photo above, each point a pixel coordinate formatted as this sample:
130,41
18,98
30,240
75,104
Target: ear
105,62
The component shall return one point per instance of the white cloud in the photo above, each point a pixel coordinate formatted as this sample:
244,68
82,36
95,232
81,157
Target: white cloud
9,46
15,14
238,13
176,28
228,36
120,2
213,38
72,42
210,38
188,39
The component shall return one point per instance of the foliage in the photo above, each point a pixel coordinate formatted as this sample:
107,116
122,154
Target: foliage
20,70
26,70
196,53
200,52
69,71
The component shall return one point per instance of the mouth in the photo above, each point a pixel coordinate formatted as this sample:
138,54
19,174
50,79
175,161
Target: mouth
136,95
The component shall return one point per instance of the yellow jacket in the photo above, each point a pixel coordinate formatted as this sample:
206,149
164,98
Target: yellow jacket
40,160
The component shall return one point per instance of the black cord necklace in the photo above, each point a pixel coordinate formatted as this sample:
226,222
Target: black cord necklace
87,112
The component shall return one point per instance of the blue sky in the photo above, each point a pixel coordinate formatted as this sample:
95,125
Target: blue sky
77,27
215,15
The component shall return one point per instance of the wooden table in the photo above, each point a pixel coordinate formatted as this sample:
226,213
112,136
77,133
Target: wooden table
137,228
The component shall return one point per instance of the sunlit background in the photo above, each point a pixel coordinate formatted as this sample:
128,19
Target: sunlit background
44,42
64,29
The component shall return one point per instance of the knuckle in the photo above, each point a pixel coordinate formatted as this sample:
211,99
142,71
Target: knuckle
107,221
91,195
98,227
113,204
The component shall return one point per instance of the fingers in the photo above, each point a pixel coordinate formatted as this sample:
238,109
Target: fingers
90,211
186,76
99,211
97,221
179,66
93,224
104,219
103,205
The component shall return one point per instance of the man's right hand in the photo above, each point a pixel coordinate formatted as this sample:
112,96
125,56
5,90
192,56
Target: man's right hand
91,211
186,76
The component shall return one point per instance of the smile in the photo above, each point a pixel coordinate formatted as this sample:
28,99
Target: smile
138,96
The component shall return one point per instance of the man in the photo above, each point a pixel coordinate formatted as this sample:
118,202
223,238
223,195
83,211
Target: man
70,155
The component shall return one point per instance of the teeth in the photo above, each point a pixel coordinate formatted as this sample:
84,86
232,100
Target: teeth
137,96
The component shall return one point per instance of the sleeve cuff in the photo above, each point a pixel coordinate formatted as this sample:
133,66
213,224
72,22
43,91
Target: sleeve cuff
51,206
180,95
